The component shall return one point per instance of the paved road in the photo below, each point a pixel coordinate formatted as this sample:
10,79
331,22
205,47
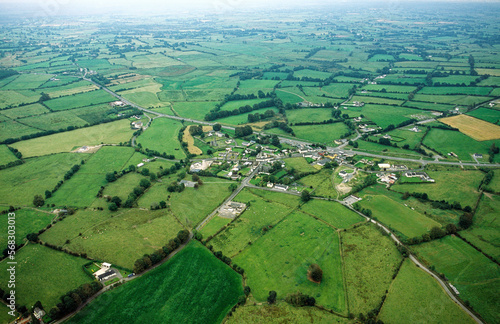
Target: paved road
243,184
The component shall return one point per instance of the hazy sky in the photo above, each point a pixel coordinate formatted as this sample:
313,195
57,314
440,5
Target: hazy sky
58,7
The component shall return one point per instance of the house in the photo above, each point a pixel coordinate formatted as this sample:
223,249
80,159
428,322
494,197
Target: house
137,125
105,272
281,187
478,155
39,313
188,184
106,265
384,166
270,184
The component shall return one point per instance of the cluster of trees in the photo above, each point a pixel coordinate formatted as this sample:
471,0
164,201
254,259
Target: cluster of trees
217,113
441,204
371,179
196,130
175,186
243,131
149,260
492,151
252,118
315,273
434,234
281,125
5,73
74,298
299,299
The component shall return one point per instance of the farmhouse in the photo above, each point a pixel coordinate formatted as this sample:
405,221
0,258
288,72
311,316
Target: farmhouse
39,313
422,175
384,166
281,187
188,184
137,125
105,272
118,103
232,209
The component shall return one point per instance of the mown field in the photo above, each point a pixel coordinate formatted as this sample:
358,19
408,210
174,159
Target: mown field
192,287
475,276
476,128
35,262
279,261
416,297
332,213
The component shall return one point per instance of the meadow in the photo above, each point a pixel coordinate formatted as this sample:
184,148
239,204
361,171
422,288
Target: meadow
367,281
486,226
119,238
391,212
489,115
461,186
416,297
27,221
6,155
192,286
34,177
332,213
321,133
474,275
79,100
262,211
280,259
34,262
109,133
167,130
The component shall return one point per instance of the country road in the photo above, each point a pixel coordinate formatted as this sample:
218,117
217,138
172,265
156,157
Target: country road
286,139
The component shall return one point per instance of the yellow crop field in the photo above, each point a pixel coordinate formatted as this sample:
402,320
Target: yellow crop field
478,129
186,137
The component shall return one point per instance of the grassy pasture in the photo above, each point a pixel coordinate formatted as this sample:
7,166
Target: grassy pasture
263,211
480,91
377,100
332,213
36,261
14,129
489,115
243,118
478,129
475,276
212,193
282,312
214,225
389,88
311,74
288,97
27,221
446,141
167,130
196,110
109,133
25,111
120,237
384,116
367,281
280,259
192,287
428,106
309,115
6,155
451,186
321,133
80,100
300,164
391,212
485,231
70,89
34,177
415,297
27,81
54,121
321,183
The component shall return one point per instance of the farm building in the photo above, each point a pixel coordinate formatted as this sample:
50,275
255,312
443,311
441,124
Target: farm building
105,272
199,166
384,166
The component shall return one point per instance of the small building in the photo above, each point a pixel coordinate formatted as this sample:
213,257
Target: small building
270,184
188,184
281,187
384,166
140,164
106,265
39,313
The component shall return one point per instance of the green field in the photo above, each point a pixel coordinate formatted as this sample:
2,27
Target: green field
80,100
61,273
484,233
34,177
167,130
475,276
109,133
332,213
266,209
119,238
192,287
416,297
6,155
445,141
490,115
300,164
280,259
309,115
215,224
82,188
389,210
321,133
368,280
282,312
461,186
27,221
25,111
